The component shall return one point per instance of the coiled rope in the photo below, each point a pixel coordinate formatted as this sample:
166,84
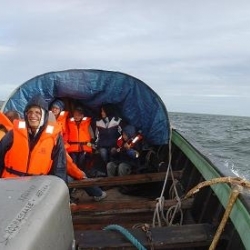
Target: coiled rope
127,234
159,207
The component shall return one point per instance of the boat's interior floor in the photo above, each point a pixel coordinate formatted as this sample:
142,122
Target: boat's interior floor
107,224
126,204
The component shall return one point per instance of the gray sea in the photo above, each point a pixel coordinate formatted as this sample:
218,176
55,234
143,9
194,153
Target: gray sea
226,138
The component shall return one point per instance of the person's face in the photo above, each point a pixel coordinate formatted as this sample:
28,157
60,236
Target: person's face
55,110
125,137
103,113
34,115
78,115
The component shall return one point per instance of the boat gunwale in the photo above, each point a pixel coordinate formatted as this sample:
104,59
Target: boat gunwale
208,170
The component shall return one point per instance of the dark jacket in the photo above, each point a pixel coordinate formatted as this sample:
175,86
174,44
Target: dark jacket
107,132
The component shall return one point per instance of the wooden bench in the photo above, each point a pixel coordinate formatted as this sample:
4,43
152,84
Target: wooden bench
95,215
123,180
120,207
174,237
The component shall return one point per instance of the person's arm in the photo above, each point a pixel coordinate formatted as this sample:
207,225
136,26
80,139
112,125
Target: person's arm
72,170
59,159
5,145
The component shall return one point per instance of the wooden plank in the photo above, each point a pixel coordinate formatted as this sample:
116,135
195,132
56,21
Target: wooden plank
121,206
98,215
174,237
98,222
123,180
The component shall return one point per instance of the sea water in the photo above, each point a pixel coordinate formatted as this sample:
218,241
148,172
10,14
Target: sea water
226,138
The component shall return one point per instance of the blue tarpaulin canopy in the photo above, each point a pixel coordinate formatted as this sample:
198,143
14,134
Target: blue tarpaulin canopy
137,103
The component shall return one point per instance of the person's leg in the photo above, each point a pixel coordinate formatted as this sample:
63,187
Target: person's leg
73,200
124,169
104,154
96,193
93,191
81,161
111,169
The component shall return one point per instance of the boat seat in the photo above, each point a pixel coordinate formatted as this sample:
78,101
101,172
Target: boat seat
95,215
123,180
123,206
174,237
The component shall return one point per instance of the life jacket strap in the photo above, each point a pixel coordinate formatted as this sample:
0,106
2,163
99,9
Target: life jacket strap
77,142
16,172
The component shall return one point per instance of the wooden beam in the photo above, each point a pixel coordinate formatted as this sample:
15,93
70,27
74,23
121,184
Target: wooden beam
98,222
120,206
123,180
174,237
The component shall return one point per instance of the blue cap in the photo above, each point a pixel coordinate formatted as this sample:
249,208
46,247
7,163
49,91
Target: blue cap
129,130
58,103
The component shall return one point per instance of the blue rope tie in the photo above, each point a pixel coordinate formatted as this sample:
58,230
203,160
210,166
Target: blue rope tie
127,234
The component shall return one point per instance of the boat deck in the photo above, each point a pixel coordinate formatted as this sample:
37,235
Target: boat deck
105,224
176,237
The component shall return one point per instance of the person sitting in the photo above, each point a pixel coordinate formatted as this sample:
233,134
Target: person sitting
60,117
12,115
108,130
57,108
80,138
34,146
126,154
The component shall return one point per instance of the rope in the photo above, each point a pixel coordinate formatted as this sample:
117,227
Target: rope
159,208
127,234
233,197
231,180
237,189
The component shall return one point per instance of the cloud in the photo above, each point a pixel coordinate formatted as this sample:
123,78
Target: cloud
191,49
5,50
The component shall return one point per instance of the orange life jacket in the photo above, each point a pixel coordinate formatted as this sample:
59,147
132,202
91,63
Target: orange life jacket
79,137
4,120
72,169
19,161
62,119
62,122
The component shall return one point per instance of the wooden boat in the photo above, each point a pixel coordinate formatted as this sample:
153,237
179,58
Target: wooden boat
185,199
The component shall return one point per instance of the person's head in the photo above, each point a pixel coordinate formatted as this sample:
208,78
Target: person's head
56,107
3,130
128,132
106,111
36,113
12,115
78,113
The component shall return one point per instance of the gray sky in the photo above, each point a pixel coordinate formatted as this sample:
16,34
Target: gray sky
194,53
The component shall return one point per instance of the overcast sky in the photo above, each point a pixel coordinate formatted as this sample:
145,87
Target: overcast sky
194,53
